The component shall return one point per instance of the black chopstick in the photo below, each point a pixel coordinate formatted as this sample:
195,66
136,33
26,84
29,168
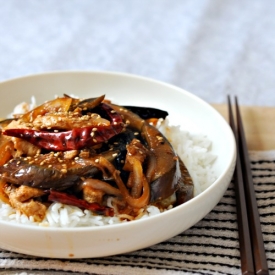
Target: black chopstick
247,264
252,251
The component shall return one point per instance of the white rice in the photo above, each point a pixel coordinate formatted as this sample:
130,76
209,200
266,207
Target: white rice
195,152
23,107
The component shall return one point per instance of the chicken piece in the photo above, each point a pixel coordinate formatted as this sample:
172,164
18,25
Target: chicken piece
71,154
6,149
32,208
18,124
24,147
21,146
92,195
66,122
3,196
94,190
21,198
24,193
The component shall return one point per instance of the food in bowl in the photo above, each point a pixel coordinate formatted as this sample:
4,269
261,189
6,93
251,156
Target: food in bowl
67,155
69,233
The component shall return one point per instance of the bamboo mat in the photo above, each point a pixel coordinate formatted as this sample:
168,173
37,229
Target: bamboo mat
259,125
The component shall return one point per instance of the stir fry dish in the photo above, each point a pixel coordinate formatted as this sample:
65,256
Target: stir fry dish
92,154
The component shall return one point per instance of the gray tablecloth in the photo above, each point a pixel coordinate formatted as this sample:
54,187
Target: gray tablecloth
208,47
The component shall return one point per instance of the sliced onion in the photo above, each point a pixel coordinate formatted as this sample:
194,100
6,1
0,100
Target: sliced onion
140,202
102,186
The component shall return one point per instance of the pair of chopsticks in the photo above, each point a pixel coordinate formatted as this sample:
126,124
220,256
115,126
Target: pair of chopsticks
253,257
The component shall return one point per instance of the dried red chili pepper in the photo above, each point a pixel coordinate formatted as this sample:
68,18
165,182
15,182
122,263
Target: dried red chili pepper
72,200
74,139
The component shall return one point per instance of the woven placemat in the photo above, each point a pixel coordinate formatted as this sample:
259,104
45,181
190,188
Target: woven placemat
209,247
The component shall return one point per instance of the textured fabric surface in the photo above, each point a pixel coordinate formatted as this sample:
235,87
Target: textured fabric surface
209,247
209,47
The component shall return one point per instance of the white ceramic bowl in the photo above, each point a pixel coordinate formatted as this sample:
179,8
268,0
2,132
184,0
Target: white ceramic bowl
183,107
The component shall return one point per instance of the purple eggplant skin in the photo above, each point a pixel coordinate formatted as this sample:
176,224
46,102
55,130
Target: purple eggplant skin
88,104
180,183
171,174
164,186
147,112
185,191
20,172
48,172
164,170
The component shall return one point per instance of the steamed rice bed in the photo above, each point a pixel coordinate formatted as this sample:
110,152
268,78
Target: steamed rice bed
194,150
